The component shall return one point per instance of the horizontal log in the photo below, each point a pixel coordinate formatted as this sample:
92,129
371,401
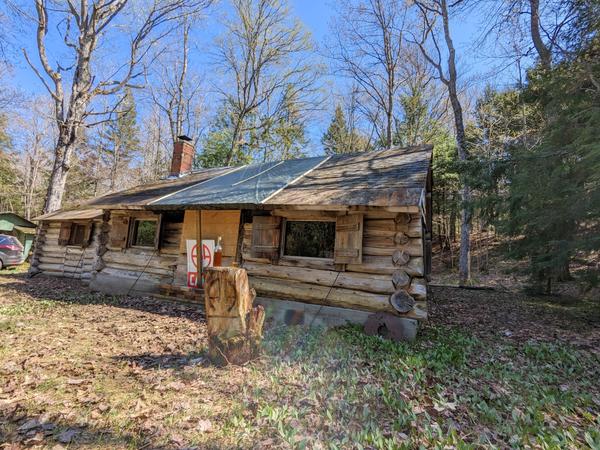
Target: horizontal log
304,215
309,263
348,280
345,298
128,275
50,267
139,269
384,265
50,259
137,260
413,248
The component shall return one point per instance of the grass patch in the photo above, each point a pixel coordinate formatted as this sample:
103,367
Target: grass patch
447,389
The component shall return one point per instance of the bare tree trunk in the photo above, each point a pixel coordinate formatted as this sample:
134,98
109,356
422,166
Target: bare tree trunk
235,140
536,36
58,176
464,262
440,9
86,24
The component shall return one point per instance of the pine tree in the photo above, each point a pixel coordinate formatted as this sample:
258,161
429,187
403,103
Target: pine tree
285,136
417,126
337,136
216,145
553,199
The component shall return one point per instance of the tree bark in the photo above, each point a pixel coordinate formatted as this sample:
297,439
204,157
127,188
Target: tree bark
58,177
464,263
234,327
542,50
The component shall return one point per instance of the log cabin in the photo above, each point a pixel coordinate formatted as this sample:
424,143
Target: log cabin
327,238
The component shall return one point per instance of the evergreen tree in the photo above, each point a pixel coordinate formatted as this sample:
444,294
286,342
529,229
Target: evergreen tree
216,145
284,137
552,203
417,126
341,138
335,139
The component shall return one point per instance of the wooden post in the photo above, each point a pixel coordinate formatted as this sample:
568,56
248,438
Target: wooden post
234,326
199,268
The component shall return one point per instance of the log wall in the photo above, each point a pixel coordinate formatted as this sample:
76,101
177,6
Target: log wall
65,260
392,260
135,269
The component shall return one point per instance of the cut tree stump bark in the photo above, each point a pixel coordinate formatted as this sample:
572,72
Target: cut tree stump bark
234,326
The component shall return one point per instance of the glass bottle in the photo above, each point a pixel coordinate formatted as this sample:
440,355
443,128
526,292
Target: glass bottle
218,253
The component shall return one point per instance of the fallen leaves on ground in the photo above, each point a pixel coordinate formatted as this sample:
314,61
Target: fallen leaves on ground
82,369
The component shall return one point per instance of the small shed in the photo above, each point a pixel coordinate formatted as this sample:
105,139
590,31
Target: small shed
19,227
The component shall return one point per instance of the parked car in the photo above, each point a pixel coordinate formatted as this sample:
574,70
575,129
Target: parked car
11,251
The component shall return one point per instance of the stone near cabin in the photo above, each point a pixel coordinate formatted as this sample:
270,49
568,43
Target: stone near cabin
398,329
234,326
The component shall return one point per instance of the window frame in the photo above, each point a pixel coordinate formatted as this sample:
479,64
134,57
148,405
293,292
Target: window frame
72,233
284,223
133,232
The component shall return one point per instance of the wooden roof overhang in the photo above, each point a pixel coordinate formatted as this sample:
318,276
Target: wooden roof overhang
75,214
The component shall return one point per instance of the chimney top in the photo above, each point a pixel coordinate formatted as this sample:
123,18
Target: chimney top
183,157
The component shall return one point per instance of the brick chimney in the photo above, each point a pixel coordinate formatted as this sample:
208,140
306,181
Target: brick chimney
183,156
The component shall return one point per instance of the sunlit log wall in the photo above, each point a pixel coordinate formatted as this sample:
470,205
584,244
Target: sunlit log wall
56,258
392,262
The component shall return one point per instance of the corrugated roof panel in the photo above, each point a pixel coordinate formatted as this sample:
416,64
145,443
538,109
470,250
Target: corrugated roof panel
249,185
139,196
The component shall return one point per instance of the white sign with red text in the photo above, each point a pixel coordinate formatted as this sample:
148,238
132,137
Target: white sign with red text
207,256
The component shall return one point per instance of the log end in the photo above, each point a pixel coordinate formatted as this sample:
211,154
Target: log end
402,301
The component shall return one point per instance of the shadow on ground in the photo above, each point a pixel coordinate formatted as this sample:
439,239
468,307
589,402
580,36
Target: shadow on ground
42,287
176,361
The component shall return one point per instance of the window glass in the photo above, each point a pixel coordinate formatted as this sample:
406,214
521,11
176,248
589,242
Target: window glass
144,232
77,234
309,239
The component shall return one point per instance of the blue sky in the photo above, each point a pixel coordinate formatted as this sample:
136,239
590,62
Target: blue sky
316,16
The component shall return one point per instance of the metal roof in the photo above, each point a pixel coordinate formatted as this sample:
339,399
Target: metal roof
139,196
248,185
387,178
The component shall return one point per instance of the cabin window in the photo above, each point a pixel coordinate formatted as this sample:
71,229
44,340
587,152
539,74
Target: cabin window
144,233
309,239
78,235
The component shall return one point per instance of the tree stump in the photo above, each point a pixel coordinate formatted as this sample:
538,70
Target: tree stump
234,326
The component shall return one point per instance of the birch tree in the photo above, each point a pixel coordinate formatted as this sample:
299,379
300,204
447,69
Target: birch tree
435,41
76,81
